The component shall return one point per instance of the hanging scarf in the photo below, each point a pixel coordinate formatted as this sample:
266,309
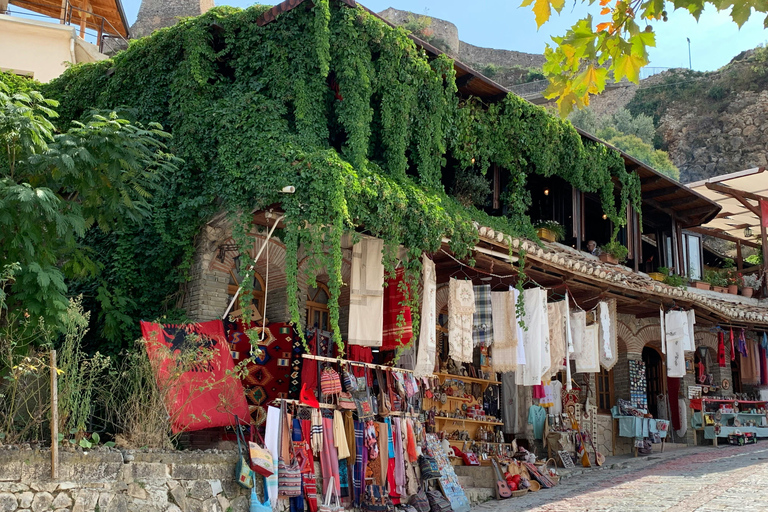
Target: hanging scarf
299,448
360,462
339,435
504,332
425,362
317,431
721,349
308,479
482,321
765,341
763,367
743,344
733,349
398,324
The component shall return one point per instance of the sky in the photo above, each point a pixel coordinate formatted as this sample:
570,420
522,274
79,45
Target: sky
715,39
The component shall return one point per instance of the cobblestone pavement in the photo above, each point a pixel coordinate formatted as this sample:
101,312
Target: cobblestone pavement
702,479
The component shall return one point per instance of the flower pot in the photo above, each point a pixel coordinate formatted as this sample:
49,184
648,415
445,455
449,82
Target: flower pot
546,234
720,289
657,276
733,289
608,258
701,285
747,291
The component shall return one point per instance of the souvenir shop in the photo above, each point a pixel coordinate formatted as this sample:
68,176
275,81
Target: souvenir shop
388,415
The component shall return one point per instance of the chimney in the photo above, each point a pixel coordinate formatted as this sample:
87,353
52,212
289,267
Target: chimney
155,14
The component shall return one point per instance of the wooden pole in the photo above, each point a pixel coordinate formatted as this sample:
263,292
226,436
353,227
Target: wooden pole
764,239
739,258
63,13
54,419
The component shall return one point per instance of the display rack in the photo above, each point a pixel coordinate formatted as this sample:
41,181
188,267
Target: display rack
725,430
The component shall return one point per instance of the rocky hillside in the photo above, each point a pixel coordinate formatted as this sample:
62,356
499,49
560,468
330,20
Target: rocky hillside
710,123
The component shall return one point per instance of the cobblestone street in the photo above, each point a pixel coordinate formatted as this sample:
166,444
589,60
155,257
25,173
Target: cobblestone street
703,479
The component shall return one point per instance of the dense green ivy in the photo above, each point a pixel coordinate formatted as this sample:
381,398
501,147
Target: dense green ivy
345,108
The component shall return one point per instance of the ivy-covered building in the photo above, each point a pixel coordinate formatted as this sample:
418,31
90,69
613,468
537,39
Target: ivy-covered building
319,119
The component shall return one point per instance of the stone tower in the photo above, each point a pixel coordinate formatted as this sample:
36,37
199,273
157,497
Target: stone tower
155,14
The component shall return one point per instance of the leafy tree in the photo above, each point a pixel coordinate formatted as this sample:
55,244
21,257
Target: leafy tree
99,174
633,135
580,62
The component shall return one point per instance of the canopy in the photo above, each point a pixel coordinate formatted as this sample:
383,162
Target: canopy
94,11
739,194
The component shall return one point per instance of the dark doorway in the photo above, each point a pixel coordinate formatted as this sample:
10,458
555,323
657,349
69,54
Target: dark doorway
654,374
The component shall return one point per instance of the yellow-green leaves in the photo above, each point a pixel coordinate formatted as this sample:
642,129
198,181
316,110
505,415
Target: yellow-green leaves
579,63
543,9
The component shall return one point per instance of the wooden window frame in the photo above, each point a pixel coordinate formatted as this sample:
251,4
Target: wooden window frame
257,295
599,393
313,307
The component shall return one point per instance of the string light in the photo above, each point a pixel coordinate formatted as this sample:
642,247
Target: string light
546,191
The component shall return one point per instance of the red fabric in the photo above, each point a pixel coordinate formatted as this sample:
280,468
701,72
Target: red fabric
362,355
696,404
538,391
673,388
763,367
309,369
310,485
222,396
721,349
764,213
733,350
395,335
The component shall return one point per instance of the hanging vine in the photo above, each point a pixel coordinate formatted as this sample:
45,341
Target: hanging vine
364,129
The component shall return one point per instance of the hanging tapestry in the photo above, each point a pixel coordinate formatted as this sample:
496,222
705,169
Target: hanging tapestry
609,348
482,323
675,327
504,331
461,306
589,359
269,375
206,394
398,325
557,348
366,288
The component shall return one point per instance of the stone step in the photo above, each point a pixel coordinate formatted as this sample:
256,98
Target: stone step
479,494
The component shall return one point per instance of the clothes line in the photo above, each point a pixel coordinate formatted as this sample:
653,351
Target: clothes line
354,363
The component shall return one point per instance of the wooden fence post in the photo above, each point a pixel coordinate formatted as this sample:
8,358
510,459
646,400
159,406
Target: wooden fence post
54,419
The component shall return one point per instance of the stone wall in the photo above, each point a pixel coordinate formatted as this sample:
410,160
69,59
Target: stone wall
155,14
108,480
477,56
444,31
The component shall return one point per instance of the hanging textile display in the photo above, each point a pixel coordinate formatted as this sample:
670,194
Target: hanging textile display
272,443
721,349
690,345
674,324
763,366
398,324
733,349
663,331
193,399
557,348
366,288
535,339
609,347
509,398
482,323
520,331
589,359
504,331
425,362
578,322
742,345
461,307
568,341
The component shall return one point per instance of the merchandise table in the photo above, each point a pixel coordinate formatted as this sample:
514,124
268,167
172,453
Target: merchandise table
637,427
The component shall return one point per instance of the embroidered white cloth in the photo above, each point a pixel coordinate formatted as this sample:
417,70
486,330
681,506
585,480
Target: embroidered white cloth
609,348
568,342
520,330
662,330
589,359
366,299
461,306
557,348
578,322
690,321
535,339
504,332
425,362
675,325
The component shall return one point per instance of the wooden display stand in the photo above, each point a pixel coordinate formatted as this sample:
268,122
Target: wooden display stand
742,416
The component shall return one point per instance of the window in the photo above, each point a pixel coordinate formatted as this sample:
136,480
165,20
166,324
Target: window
317,307
692,254
604,384
235,279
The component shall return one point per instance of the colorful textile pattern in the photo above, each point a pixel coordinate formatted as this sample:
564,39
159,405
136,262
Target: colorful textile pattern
482,323
190,408
269,375
398,325
461,307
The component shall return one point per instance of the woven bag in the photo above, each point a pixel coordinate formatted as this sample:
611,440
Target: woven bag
330,384
419,501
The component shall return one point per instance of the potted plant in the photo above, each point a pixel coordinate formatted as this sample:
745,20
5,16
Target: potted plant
549,230
717,279
613,252
670,278
750,282
732,277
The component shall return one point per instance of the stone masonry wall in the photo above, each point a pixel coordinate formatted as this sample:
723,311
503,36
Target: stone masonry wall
108,480
155,14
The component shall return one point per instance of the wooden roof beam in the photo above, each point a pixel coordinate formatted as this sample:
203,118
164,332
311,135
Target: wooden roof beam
660,192
740,195
723,236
